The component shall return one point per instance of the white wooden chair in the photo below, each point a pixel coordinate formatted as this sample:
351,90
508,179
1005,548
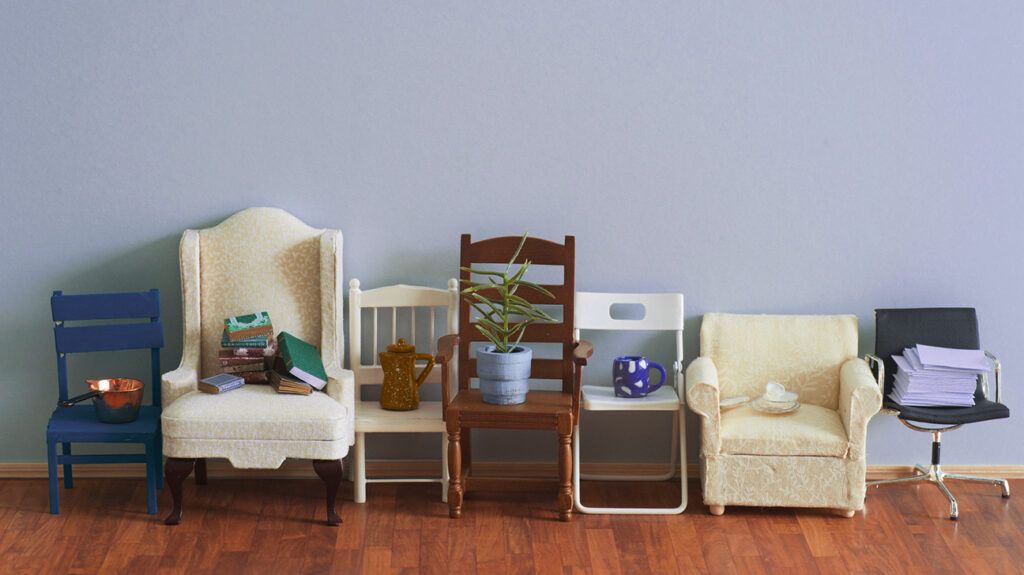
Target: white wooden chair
369,416
662,312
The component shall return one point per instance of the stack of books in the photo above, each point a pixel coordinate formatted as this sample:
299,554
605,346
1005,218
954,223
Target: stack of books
928,376
248,347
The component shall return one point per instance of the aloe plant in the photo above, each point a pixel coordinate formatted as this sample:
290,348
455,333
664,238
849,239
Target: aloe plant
503,319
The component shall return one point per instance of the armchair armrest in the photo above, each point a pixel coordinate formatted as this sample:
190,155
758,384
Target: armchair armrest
859,400
177,383
702,395
445,353
341,386
583,350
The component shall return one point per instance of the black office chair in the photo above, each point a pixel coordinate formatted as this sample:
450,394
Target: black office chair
897,329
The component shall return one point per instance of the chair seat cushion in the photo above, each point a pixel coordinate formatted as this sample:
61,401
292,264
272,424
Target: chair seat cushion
811,430
371,417
982,410
255,412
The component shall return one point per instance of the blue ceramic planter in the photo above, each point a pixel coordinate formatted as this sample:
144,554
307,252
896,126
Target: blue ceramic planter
504,377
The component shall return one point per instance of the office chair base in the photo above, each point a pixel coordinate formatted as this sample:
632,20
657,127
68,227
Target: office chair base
935,475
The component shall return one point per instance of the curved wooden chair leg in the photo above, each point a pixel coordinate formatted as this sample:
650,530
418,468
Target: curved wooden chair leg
176,469
331,471
201,471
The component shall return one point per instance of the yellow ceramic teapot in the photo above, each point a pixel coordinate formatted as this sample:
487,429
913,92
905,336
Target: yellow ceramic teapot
401,388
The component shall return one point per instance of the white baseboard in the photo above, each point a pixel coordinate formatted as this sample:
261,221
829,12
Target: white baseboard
296,469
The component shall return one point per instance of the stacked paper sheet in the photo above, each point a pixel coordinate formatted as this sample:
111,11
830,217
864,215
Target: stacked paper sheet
928,376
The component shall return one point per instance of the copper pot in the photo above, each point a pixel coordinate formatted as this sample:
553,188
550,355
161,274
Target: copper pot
117,400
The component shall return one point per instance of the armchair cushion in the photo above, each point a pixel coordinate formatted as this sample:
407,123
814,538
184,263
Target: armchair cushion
256,412
810,431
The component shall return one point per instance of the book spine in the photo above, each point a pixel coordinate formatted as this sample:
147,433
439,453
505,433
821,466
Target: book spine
246,367
254,377
250,333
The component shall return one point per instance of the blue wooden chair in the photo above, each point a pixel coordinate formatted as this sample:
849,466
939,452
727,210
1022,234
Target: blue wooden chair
78,424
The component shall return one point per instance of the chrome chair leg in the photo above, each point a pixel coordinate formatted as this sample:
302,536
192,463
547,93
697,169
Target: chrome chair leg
954,513
1004,484
921,477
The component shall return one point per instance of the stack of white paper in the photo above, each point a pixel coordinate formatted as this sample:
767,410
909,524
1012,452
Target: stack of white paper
928,376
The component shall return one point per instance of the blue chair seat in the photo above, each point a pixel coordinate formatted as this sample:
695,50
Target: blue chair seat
69,422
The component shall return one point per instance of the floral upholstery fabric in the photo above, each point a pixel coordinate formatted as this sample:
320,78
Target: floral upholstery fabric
802,352
260,259
256,412
811,430
812,458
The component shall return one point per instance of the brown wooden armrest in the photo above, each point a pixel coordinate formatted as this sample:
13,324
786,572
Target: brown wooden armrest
445,353
583,350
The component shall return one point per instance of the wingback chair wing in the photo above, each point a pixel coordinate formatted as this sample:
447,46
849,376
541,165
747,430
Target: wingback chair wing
811,458
258,259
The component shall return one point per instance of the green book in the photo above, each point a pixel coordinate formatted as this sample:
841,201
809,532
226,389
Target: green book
302,359
249,326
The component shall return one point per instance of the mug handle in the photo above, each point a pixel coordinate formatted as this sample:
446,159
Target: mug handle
426,369
664,376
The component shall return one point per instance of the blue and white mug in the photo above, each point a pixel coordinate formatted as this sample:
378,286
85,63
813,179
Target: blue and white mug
632,377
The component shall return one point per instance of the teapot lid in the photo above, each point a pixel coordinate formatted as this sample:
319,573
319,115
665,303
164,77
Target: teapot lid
401,347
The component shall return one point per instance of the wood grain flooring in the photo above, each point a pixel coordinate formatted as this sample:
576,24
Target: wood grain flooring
276,526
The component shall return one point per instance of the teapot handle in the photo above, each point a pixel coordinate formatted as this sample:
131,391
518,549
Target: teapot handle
426,370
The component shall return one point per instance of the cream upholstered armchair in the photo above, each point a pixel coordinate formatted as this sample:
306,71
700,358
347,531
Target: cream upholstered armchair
813,457
258,259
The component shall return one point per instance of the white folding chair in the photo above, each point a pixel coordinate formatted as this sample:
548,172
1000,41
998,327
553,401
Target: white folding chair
662,312
370,417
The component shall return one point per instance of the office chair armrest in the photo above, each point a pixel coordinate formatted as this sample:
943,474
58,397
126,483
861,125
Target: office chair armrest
999,377
702,395
877,367
859,400
341,386
177,383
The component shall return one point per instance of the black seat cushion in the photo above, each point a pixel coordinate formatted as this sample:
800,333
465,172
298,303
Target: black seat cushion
897,329
983,410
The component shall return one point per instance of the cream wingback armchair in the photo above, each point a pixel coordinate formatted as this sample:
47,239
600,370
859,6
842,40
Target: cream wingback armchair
258,259
813,457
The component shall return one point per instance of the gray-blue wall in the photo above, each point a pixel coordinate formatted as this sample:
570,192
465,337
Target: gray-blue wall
757,156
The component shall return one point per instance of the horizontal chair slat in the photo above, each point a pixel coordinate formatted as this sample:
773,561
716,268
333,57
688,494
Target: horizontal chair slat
499,250
532,296
105,306
109,337
540,369
536,333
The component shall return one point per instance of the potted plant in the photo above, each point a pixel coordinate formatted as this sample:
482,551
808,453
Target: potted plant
504,367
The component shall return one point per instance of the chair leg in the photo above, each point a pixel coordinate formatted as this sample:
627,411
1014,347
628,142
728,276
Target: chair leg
201,471
152,468
331,471
175,471
454,473
359,469
565,500
716,509
444,468
1002,483
954,513
69,481
51,469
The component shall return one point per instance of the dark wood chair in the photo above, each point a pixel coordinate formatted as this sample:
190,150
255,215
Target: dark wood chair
544,410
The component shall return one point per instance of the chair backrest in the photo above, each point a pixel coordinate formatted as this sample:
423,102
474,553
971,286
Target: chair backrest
898,329
661,312
802,352
397,300
107,336
265,259
540,252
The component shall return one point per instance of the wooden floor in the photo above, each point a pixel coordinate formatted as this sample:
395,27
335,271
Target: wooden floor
274,526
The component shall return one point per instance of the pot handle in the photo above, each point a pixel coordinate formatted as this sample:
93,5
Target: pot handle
426,370
78,398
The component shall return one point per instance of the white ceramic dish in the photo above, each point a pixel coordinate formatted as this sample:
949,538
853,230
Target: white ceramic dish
773,407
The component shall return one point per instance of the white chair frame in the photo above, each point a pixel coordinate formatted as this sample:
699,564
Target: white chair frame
662,312
369,417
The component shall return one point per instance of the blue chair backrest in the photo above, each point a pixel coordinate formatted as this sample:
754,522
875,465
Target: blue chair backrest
107,337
